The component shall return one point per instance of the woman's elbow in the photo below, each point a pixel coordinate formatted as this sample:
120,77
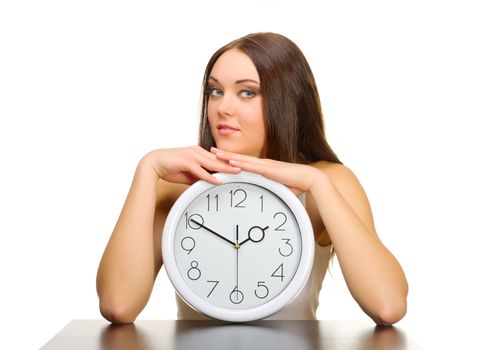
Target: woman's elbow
116,312
391,313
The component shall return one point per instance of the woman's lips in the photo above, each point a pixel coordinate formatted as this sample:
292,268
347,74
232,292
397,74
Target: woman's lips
226,130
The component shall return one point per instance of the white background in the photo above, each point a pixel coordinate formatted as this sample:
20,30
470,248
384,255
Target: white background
88,87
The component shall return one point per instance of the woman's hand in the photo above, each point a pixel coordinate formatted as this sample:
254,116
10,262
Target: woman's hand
186,165
299,178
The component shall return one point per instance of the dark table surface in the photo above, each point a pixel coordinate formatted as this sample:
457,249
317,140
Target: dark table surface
211,335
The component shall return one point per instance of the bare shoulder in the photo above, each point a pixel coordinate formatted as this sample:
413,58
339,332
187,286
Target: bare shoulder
334,169
348,185
341,175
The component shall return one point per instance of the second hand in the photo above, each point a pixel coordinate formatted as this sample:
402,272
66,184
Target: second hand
238,247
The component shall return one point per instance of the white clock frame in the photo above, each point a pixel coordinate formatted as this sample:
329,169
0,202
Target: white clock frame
273,305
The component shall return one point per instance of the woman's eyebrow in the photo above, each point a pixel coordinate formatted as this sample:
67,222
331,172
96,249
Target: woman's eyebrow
241,81
247,81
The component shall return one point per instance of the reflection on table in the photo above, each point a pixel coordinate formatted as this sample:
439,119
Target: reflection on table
212,335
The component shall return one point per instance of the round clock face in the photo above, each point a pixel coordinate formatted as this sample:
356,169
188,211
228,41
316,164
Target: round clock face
236,248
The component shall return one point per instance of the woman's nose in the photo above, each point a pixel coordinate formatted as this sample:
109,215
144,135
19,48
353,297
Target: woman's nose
226,106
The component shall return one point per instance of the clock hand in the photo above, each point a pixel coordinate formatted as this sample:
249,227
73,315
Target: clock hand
250,237
209,230
238,293
237,246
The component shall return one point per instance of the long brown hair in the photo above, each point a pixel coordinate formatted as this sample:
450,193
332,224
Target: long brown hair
293,114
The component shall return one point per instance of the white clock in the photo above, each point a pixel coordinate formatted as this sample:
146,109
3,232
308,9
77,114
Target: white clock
239,251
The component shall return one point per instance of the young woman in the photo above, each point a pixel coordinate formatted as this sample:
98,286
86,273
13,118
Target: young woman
260,113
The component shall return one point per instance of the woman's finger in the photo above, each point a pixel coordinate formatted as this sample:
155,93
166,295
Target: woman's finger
265,167
202,174
217,165
298,177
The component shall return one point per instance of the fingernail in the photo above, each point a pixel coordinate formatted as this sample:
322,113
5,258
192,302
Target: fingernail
233,162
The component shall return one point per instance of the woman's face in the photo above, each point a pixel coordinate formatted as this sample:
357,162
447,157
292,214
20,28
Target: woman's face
235,107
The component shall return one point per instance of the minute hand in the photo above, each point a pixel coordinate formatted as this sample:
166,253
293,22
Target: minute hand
216,234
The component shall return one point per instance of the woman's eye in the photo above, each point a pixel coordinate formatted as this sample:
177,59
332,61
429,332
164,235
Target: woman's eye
247,93
215,92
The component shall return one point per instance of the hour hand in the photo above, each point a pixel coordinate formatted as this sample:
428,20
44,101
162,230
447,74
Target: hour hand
211,231
255,234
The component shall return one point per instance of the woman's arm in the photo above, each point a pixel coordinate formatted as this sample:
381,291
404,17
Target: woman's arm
373,275
127,270
132,258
